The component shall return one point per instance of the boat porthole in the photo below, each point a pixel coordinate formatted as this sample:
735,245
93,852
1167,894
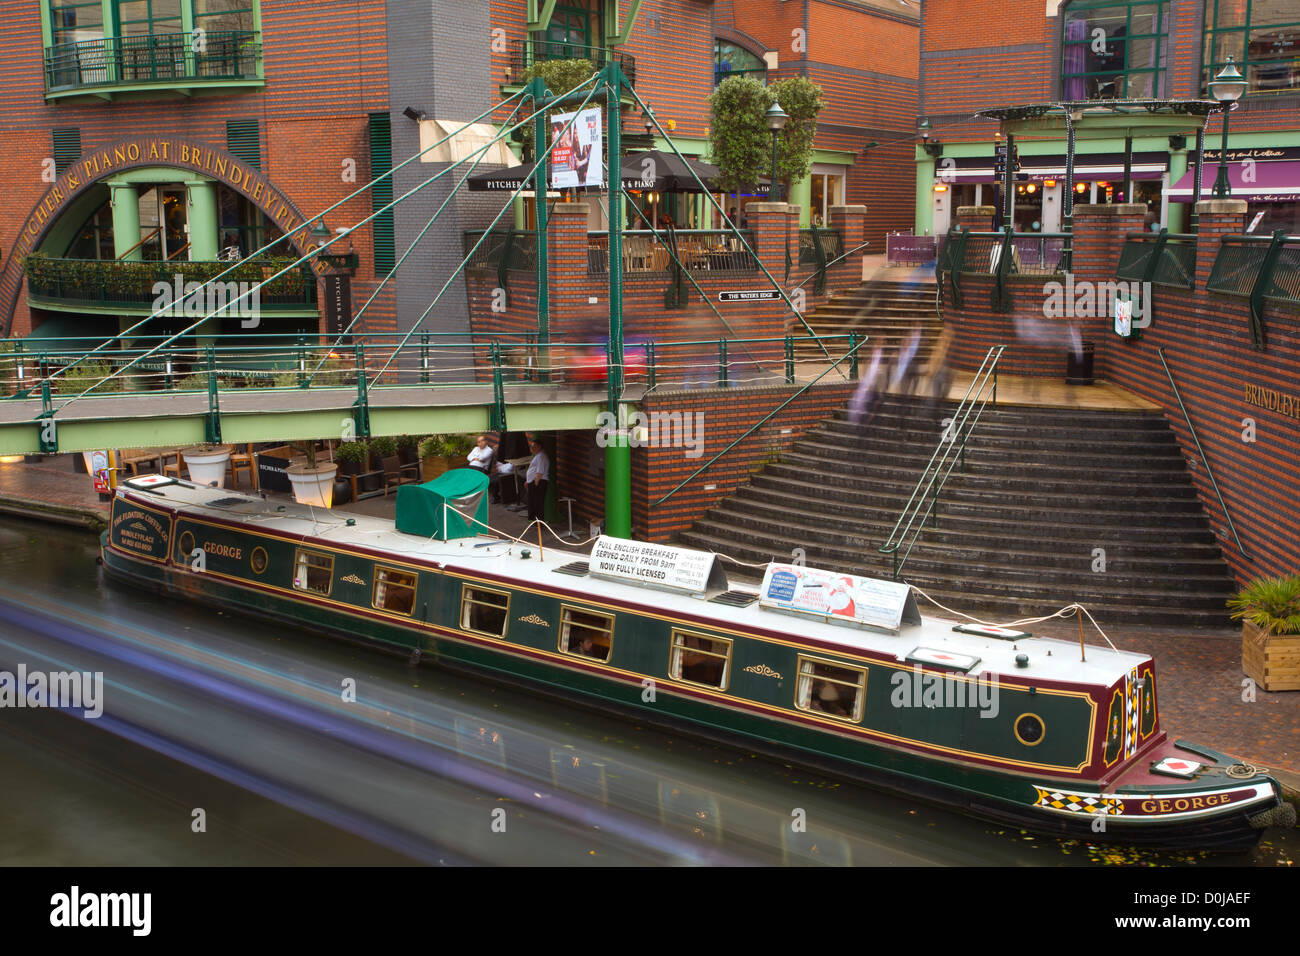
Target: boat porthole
258,560
186,543
1029,729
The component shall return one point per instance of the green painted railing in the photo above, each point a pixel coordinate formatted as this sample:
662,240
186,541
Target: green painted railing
524,53
951,449
1162,258
152,59
1261,268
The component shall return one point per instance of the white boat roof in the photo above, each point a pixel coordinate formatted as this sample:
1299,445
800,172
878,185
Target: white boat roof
1049,659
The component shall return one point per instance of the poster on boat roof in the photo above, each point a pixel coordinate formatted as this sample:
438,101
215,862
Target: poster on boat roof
655,565
838,597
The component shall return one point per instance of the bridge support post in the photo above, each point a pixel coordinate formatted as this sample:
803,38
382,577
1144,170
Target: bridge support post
618,454
361,407
214,406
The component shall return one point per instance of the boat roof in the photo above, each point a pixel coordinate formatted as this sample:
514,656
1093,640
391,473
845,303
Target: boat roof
932,643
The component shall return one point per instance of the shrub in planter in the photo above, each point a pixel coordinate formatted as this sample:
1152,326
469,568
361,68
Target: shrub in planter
352,456
1269,609
383,447
408,449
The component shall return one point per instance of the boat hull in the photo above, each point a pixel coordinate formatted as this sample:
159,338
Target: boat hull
1006,799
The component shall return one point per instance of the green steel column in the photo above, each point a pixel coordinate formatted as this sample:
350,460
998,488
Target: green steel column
541,138
126,220
924,223
1177,210
521,215
618,454
202,194
801,199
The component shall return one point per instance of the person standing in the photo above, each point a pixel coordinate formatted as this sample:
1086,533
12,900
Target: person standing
536,478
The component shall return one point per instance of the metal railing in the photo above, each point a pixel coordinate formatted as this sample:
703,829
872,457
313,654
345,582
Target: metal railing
698,250
152,58
273,361
830,242
1261,268
516,249
1200,451
1162,258
951,449
524,53
133,282
1032,253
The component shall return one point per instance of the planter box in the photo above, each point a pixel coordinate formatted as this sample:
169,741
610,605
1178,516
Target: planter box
431,468
207,467
313,487
1271,660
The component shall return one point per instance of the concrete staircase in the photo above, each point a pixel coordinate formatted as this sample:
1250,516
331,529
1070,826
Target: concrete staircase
1018,530
886,311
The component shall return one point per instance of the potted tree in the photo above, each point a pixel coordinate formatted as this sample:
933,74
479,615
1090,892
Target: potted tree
313,482
1269,609
207,463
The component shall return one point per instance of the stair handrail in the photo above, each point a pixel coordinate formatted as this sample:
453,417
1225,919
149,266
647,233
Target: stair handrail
952,444
855,346
1200,451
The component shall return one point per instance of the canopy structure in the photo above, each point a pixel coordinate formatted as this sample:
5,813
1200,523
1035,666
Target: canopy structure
649,170
453,505
1257,182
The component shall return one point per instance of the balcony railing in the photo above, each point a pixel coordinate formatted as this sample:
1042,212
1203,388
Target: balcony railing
527,52
699,250
132,284
516,250
152,59
1162,259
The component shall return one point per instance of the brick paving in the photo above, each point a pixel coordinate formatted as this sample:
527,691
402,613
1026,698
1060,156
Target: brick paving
1198,670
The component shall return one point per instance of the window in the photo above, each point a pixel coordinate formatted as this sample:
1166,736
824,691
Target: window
586,633
75,21
700,660
1113,50
222,16
831,689
1029,729
1262,37
394,590
313,572
148,17
258,560
484,611
567,37
732,60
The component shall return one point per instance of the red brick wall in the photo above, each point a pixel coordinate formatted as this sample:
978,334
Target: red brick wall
325,66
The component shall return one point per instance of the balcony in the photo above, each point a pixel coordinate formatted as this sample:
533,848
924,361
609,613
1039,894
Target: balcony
132,286
115,65
527,52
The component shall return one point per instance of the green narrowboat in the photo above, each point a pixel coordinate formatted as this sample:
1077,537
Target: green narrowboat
833,671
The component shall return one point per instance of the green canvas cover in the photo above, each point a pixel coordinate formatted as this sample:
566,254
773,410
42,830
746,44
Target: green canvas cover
463,492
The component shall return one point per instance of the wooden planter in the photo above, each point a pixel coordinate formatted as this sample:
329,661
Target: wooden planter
1271,660
431,468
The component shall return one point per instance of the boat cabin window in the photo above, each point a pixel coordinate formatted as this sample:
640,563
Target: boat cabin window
394,590
313,572
830,689
484,611
586,633
700,660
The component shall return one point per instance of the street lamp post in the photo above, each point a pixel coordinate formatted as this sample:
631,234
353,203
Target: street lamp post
776,119
1227,87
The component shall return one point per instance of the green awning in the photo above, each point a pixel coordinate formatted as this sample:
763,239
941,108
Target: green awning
453,505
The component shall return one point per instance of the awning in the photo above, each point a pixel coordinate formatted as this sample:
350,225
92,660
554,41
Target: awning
1269,182
463,144
1039,168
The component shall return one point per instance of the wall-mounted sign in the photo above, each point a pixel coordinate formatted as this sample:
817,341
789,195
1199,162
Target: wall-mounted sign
576,158
1123,317
338,303
843,598
655,565
1273,400
754,295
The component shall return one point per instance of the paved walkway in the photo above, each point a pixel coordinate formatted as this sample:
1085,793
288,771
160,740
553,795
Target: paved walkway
1198,671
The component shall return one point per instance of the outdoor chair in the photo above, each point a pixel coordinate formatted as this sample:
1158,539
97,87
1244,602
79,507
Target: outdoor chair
395,473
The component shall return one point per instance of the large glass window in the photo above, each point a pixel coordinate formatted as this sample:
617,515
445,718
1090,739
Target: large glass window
74,21
1262,37
568,36
732,60
152,17
220,16
1113,50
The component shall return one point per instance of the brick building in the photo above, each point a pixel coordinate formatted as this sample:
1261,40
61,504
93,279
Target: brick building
168,133
1075,50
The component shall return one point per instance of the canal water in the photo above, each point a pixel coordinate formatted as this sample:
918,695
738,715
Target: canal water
231,741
